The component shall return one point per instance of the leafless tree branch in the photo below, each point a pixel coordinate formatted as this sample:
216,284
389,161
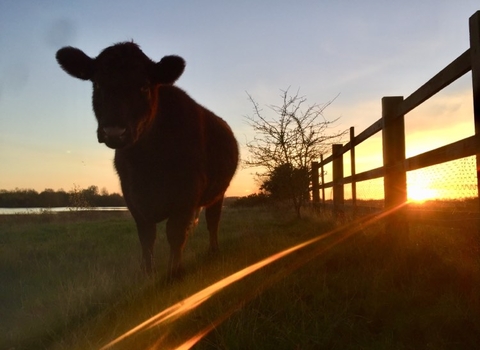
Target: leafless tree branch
295,136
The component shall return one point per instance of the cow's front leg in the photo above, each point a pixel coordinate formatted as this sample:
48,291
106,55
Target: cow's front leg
146,234
177,229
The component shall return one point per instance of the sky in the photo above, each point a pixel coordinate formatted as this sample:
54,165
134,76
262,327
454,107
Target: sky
361,50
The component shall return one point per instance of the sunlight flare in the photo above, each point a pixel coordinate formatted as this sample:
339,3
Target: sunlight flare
202,296
421,194
346,231
199,298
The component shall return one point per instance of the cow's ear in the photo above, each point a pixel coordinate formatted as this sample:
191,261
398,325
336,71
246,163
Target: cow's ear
75,62
168,70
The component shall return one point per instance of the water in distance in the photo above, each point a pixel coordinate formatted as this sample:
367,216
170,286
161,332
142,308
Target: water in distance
4,211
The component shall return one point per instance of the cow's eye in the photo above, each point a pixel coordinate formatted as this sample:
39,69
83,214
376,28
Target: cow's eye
96,86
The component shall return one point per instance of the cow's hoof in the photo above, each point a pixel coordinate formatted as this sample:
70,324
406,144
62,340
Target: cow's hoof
177,275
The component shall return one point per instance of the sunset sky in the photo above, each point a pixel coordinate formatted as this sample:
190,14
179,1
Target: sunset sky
362,50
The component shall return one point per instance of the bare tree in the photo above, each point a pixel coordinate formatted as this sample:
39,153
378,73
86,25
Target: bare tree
291,140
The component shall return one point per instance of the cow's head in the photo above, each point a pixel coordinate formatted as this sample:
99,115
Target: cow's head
125,83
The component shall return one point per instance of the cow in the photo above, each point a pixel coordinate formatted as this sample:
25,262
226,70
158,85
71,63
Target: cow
173,156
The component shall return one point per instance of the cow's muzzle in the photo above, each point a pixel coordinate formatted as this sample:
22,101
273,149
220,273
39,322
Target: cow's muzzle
112,136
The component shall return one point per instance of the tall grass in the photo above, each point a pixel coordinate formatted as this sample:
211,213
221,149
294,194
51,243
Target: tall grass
73,283
56,269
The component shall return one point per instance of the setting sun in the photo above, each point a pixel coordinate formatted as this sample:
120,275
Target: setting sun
419,194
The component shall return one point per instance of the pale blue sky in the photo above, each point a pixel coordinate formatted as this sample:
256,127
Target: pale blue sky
361,49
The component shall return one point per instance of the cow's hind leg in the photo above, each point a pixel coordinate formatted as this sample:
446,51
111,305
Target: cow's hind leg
146,234
212,216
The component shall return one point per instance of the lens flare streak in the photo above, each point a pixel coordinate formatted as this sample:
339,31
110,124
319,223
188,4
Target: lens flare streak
202,296
347,230
199,298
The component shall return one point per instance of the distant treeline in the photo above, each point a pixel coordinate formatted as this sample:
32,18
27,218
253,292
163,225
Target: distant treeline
253,200
48,198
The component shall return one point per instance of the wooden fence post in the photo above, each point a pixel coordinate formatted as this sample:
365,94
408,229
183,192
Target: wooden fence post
474,23
337,174
315,184
352,168
322,177
395,180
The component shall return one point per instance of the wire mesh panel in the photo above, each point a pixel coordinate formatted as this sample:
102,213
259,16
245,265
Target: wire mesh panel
455,180
370,193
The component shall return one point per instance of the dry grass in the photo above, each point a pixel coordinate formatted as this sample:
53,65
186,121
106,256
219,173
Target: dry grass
75,285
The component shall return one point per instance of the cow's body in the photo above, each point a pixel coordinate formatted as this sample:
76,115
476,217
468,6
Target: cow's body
172,155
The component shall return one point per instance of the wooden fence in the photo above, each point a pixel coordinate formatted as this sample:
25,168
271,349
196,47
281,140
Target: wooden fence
395,163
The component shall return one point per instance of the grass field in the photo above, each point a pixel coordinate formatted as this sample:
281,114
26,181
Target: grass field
73,281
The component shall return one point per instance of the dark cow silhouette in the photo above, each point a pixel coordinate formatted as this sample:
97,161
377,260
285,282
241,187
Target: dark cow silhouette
172,155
